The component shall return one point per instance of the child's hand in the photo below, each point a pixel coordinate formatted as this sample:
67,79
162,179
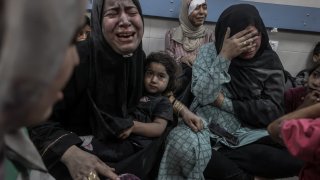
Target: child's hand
192,120
311,98
126,133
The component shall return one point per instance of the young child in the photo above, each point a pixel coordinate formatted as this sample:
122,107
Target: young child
154,110
84,31
302,76
151,117
299,131
299,97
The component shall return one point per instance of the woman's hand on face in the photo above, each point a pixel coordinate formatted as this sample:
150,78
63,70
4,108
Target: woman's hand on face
311,98
238,43
192,120
81,164
188,60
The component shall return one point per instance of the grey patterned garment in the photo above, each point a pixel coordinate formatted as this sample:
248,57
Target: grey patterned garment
209,77
187,153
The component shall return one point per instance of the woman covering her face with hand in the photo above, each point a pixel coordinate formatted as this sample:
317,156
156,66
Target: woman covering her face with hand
238,84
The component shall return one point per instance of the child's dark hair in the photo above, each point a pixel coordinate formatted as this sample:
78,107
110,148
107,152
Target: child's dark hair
169,63
313,69
87,21
316,49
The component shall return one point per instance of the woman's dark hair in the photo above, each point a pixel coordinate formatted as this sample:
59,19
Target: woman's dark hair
316,49
169,63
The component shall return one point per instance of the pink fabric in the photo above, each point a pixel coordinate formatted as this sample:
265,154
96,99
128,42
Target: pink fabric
302,138
176,50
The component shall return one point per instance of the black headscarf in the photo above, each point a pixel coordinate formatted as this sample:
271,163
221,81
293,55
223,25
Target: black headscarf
250,77
116,82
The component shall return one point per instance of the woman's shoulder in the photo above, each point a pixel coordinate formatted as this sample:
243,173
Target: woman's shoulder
172,30
206,53
210,32
208,47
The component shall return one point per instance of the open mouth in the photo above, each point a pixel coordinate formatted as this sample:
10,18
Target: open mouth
125,36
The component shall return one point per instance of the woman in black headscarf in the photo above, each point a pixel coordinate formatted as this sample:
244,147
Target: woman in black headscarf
251,72
245,102
238,84
85,127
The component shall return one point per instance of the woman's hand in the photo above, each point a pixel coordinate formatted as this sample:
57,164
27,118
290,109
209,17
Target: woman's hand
82,164
192,120
238,43
188,60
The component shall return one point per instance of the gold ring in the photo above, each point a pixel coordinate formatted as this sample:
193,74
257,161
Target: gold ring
93,176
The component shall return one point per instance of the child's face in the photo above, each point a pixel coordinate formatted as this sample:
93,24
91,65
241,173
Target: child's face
156,78
83,34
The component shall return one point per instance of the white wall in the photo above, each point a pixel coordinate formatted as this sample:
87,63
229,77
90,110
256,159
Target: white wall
294,47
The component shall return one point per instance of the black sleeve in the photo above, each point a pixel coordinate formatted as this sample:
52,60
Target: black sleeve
260,111
54,137
163,109
52,141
